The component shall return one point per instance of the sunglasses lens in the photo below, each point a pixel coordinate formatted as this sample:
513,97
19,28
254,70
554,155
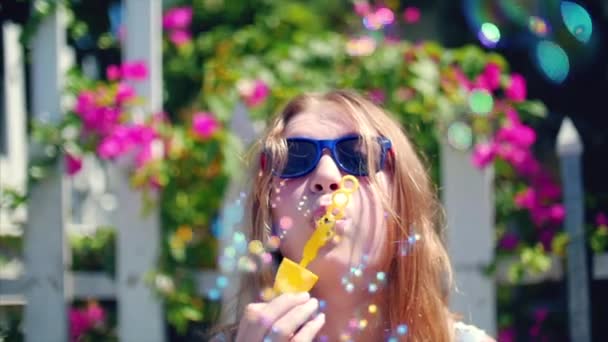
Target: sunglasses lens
351,155
300,157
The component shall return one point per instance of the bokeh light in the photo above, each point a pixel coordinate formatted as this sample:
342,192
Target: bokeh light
552,61
256,247
481,101
285,222
402,329
538,26
510,22
489,34
577,20
363,46
460,135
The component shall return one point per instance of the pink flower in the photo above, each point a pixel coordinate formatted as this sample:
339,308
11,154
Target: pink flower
481,83
79,324
254,94
516,90
506,335
541,314
521,159
85,102
180,37
150,150
110,148
518,134
548,190
463,79
115,144
101,120
491,76
113,72
512,116
508,242
526,199
141,134
411,14
556,213
601,219
73,164
204,124
124,93
95,314
546,238
362,8
377,96
483,154
177,18
524,163
136,70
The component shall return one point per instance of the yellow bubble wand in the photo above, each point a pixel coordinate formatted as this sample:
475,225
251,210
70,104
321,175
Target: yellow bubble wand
292,277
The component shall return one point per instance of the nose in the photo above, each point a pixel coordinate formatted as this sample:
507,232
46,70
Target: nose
326,176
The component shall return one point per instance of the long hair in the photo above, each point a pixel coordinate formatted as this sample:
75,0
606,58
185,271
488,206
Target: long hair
419,282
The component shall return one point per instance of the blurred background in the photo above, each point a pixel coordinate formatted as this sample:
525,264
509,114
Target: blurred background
124,126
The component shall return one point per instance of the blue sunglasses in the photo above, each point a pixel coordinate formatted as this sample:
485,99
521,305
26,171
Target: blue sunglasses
303,155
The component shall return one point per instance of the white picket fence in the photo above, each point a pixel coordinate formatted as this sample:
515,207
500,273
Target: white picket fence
46,286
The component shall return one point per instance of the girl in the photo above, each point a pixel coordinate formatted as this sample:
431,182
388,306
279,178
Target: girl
388,275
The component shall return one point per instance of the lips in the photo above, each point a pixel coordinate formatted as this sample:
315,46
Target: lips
319,212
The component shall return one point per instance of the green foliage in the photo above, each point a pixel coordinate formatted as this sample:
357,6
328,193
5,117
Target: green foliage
96,252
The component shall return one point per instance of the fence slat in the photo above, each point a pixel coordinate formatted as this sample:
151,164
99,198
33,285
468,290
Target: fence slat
45,311
140,314
469,202
570,149
14,162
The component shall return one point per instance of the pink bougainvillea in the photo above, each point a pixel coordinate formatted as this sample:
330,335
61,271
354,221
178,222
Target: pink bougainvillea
82,320
411,15
204,124
254,92
513,142
135,70
180,37
73,164
177,21
516,90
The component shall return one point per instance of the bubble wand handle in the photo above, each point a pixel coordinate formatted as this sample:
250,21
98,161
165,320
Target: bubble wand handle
292,277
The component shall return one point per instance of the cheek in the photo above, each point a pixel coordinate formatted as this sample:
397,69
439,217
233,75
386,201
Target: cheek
369,231
290,209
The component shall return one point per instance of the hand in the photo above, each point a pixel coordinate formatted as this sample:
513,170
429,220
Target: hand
288,317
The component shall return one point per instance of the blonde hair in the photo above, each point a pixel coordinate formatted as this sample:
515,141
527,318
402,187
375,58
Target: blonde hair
419,283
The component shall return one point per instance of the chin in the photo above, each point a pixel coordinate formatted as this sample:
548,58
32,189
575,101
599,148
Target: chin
333,263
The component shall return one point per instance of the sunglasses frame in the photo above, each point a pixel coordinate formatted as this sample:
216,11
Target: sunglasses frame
330,144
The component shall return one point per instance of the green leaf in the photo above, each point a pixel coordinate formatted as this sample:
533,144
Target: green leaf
533,108
218,105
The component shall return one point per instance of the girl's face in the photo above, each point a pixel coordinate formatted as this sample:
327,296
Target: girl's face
298,202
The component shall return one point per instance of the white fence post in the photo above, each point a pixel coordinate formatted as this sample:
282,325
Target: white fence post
45,310
13,163
468,197
570,150
140,314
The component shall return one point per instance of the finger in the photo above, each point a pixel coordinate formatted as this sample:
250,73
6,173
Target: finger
259,317
251,326
285,327
310,330
280,305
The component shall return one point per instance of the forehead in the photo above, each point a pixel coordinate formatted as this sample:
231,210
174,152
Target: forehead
322,121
